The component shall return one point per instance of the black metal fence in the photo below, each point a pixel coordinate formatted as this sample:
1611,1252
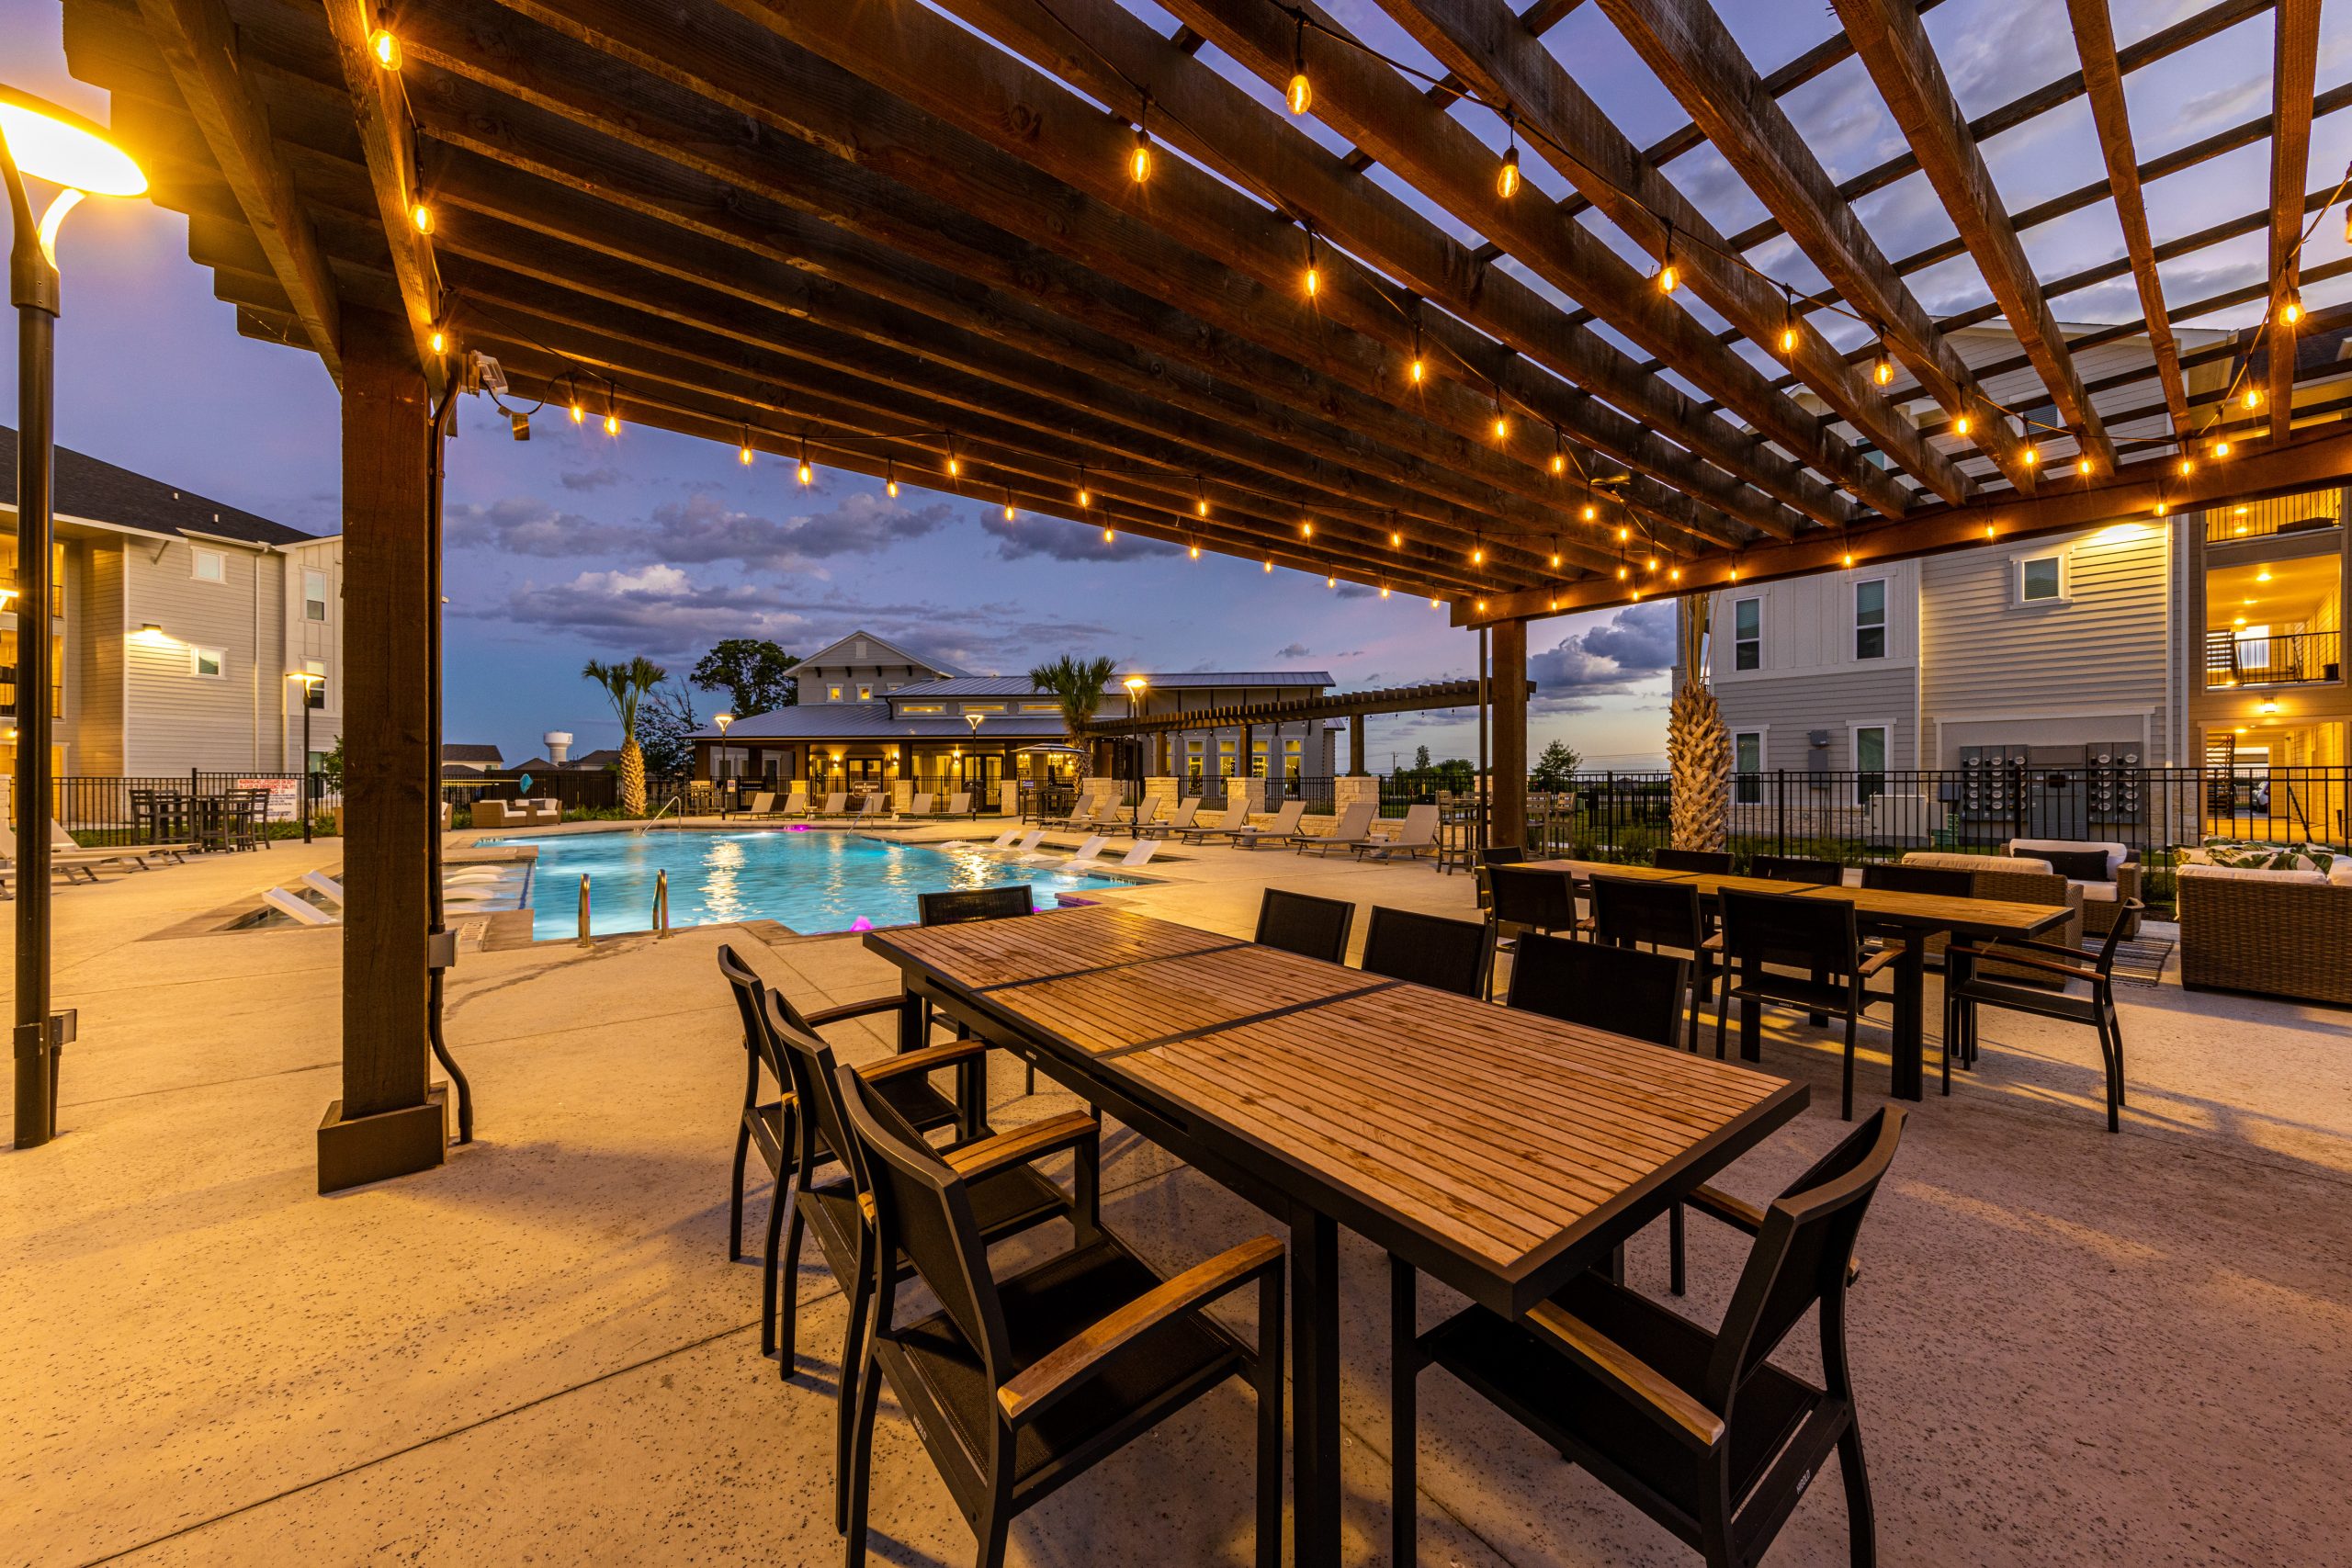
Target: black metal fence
102,809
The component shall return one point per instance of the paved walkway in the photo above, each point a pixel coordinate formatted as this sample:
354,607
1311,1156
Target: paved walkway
2070,1347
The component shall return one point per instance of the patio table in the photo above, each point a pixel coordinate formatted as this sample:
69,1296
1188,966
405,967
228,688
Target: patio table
1913,917
1499,1150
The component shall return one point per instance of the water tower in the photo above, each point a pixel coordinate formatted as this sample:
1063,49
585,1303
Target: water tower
559,744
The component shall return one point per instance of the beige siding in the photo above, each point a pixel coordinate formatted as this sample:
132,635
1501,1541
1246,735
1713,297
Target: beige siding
176,719
1786,709
2088,670
307,642
95,652
1810,678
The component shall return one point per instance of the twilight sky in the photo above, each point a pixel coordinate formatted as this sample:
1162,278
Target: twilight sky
573,546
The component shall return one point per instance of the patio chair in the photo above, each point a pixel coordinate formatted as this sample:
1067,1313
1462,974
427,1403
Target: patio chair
1527,898
919,804
1278,831
836,804
1697,1428
958,804
795,804
1427,950
1816,935
1416,836
955,907
1024,846
771,1125
1013,1198
761,804
1084,816
1966,989
1139,853
1016,1387
874,807
296,908
1352,829
1297,922
1706,862
1795,868
1089,847
76,861
59,839
1630,913
1180,823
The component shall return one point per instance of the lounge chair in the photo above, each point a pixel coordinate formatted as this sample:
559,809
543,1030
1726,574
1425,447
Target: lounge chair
1001,841
1180,823
1418,836
68,858
836,804
300,910
1141,854
59,839
1353,828
1230,816
762,804
795,804
920,805
1284,824
958,804
1082,815
875,806
328,888
1024,846
1085,856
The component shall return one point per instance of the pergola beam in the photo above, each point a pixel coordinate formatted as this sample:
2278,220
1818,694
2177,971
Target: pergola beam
1894,48
198,44
2103,78
389,142
2294,66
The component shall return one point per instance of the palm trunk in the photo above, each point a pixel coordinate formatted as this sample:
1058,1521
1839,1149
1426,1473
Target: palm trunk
632,778
1698,746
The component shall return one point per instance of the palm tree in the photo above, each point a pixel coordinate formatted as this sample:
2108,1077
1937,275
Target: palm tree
1078,683
626,685
1698,746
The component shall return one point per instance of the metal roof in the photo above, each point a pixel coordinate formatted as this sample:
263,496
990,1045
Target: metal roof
872,721
968,686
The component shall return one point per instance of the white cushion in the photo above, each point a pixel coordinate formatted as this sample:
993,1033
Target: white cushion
2253,873
1945,859
2095,892
2115,852
2340,873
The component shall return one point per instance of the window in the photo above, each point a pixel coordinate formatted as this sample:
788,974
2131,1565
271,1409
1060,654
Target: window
1041,708
832,693
2041,579
314,595
1747,765
988,708
1869,618
1747,634
208,566
1870,762
314,693
924,708
866,693
205,662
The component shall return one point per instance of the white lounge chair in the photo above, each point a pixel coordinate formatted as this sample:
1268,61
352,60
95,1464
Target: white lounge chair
69,858
795,804
1352,829
1141,854
1001,841
761,804
919,806
1024,846
836,804
1180,823
60,840
297,907
875,806
327,886
1087,854
958,804
1418,836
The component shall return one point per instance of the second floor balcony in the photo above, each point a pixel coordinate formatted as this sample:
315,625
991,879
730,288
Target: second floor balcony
2272,659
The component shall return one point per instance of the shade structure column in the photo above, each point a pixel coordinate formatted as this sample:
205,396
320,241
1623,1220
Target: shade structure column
1508,686
389,1121
1356,768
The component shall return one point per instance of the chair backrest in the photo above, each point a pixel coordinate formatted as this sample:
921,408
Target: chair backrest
1659,914
1031,839
1355,821
1935,879
1789,929
959,803
1421,826
1297,922
1185,811
921,1208
1004,841
835,801
1796,868
2124,915
797,801
919,806
1090,848
1428,949
1286,820
1147,811
748,990
763,802
1501,854
958,905
1706,862
1525,896
1141,853
1802,1256
1621,990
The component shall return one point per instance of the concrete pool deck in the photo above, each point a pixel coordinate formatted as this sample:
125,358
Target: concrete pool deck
2069,1347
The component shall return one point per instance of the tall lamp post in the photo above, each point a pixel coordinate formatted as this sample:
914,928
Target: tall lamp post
1134,684
973,719
312,686
38,138
725,779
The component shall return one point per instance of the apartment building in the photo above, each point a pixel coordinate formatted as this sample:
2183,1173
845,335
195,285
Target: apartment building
185,632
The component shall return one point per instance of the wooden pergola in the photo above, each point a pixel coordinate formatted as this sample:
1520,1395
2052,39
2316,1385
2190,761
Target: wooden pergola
910,243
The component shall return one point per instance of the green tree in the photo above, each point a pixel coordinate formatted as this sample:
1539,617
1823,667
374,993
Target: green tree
1078,684
755,675
626,685
331,766
664,722
1556,769
1420,759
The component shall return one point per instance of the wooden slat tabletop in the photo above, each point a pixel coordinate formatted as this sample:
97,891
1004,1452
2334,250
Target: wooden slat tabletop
982,954
1984,916
1500,1131
1583,869
1159,999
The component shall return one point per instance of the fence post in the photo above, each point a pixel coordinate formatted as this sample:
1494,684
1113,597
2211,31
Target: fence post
1780,811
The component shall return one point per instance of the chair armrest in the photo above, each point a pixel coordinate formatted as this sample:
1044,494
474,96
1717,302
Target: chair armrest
1022,1143
2001,955
925,1059
828,1017
1736,1213
1879,960
1067,1367
1679,1411
2056,950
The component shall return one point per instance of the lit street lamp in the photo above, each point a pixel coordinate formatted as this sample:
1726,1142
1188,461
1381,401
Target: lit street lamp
38,138
727,779
1134,684
974,720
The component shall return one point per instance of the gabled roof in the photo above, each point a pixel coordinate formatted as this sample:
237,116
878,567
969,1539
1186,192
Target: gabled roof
897,655
100,491
966,686
460,751
1242,678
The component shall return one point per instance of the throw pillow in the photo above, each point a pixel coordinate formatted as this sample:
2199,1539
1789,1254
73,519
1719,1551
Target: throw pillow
2077,865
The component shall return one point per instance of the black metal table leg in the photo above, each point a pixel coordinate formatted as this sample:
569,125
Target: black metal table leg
1315,1388
1404,1411
1910,1016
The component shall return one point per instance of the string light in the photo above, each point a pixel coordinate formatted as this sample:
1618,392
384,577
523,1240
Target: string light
1200,497
579,414
1676,575
2291,310
1305,528
2031,455
421,215
1108,536
383,45
1788,323
1301,94
1270,565
1395,540
1559,453
1623,535
1196,552
807,475
1008,504
1383,591
1502,423
1433,604
1882,370
2253,397
1478,553
1960,425
1507,178
440,341
743,449
2188,465
1314,273
1331,581
1590,511
1085,496
890,477
2083,465
955,463
2221,448
1140,160
612,420
1668,277
1418,368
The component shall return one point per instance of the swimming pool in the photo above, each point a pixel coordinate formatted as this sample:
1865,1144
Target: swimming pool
809,881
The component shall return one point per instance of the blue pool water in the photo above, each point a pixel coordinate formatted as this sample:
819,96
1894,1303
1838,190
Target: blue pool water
809,881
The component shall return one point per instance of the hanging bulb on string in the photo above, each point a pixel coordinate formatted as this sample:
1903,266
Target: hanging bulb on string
1590,511
1301,95
1383,591
440,341
807,475
1139,159
612,425
2221,448
1085,496
1478,554
1269,566
2031,455
1196,552
1669,275
2188,465
1788,325
744,448
1314,273
1419,369
1395,540
1960,425
383,45
955,463
2290,309
890,477
1108,536
1330,582
579,414
1502,423
1882,369
1507,178
1306,529
2253,397
2083,466
421,215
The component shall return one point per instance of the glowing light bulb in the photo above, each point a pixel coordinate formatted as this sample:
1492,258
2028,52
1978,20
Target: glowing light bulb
2221,448
1669,278
805,474
1482,607
1507,178
1306,530
1200,507
1559,465
1314,281
1433,604
2160,508
1848,558
1140,160
1268,567
2031,455
1085,496
1008,512
440,341
2290,311
1330,582
385,48
1301,95
1555,560
1196,552
1676,574
1383,591
1591,512
890,488
2253,397
1395,540
955,467
612,425
578,413
1788,339
1960,425
1621,574
1883,372
1108,535
1502,427
1479,555
1418,370
1624,533
743,454
2188,466
422,216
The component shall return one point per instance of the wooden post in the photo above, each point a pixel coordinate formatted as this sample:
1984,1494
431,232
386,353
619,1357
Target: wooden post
1509,689
1356,768
387,1123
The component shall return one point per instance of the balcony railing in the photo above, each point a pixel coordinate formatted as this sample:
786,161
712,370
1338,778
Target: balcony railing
2262,521
2277,659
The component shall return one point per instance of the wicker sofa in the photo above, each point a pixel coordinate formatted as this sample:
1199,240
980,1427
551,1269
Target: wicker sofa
2277,933
2103,898
2016,882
